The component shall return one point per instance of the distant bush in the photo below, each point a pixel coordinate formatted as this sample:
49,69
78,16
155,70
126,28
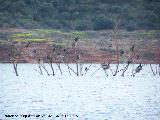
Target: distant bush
81,26
79,14
102,23
131,26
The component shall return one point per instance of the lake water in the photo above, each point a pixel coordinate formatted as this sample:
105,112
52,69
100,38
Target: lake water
88,97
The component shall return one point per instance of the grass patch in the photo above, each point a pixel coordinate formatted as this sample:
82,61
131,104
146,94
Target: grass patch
79,34
45,31
33,40
21,35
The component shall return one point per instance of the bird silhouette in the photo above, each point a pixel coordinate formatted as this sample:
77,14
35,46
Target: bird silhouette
48,57
110,45
76,39
121,52
28,44
34,51
105,66
139,68
86,69
129,61
78,57
54,49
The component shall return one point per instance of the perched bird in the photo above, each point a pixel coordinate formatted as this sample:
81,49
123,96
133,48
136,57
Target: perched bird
121,52
110,45
76,39
138,69
86,69
34,51
105,66
48,57
57,115
129,61
54,49
28,44
78,57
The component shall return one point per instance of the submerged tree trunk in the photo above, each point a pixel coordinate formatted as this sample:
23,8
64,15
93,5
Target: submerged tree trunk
152,69
125,69
77,69
52,69
15,68
117,66
43,66
59,67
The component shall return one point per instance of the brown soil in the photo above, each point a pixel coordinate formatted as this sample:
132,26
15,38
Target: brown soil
88,54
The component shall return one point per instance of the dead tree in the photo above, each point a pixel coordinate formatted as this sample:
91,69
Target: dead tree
126,67
50,60
15,52
104,67
55,55
117,20
129,59
78,55
39,65
43,66
60,57
38,56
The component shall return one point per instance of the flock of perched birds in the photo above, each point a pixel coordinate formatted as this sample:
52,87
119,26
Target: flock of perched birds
104,66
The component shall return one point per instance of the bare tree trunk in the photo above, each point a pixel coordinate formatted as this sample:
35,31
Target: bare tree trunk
95,71
77,69
51,65
116,25
15,68
152,70
125,69
39,66
159,69
59,67
69,70
52,69
43,66
117,52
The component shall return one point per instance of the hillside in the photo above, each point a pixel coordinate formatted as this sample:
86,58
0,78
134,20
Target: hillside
92,46
80,14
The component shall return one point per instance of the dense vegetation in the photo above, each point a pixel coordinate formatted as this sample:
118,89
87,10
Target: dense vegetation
80,14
